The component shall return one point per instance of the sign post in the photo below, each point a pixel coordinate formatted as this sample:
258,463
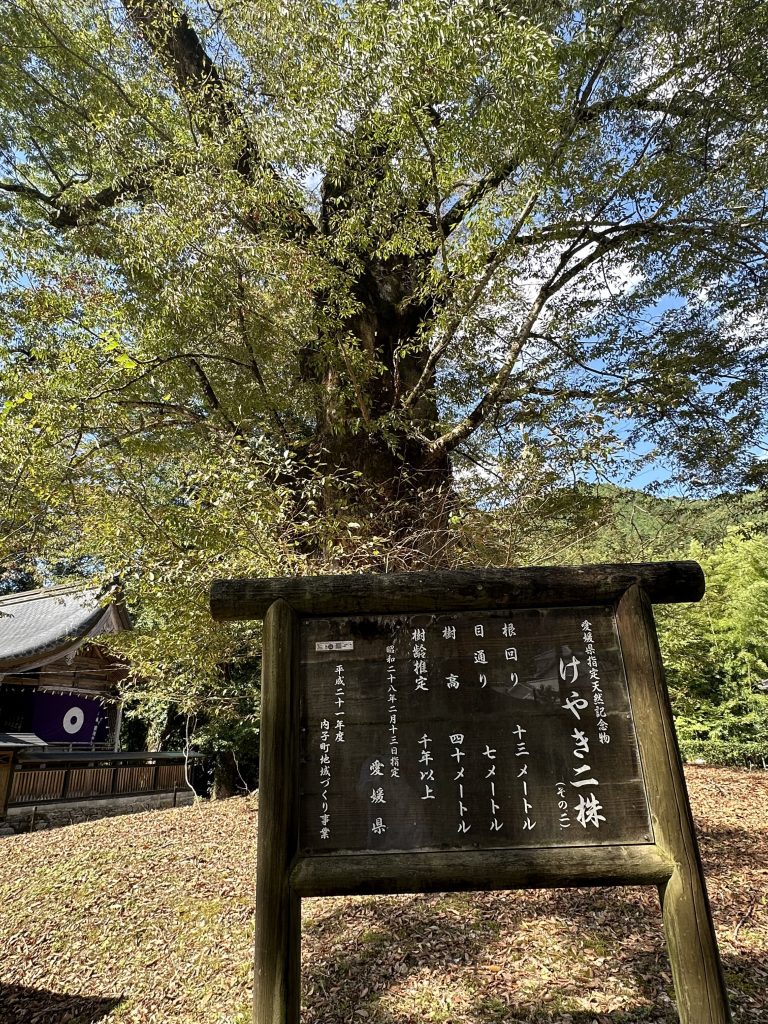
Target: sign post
492,729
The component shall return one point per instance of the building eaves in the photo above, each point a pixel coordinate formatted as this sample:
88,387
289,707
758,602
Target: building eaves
40,625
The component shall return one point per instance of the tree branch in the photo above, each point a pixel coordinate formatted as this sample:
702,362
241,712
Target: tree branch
172,39
145,429
464,428
436,198
212,398
598,244
582,113
254,363
494,263
484,186
496,177
72,214
27,191
169,34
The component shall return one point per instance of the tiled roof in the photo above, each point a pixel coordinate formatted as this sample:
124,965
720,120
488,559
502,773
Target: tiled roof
22,740
40,624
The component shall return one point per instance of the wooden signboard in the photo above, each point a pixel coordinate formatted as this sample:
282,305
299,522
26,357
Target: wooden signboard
470,730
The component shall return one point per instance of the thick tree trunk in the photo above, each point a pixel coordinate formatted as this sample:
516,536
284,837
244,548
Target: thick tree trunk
226,782
379,470
395,493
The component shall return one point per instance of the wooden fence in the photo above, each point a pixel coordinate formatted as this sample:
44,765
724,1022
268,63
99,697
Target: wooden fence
105,776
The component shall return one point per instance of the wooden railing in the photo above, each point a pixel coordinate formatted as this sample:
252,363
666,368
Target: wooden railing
37,786
61,777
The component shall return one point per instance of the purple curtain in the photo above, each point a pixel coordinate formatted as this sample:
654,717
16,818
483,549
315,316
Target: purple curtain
69,718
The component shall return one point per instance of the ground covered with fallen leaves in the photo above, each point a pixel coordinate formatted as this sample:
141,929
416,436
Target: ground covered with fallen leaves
148,919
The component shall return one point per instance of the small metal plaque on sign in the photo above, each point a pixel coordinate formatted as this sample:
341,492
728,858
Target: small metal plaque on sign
470,730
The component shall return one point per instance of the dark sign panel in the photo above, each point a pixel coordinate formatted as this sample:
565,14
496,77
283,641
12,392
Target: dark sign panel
473,730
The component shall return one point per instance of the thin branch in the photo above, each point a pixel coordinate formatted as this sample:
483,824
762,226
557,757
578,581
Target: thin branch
476,294
163,407
467,426
582,113
254,364
484,185
585,236
63,44
27,191
442,233
145,429
560,277
490,181
169,33
69,215
213,399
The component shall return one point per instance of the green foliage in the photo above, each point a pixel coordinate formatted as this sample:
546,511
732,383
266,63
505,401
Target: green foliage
549,524
327,286
716,653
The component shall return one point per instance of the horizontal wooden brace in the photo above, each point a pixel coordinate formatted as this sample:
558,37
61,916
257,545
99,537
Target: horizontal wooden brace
462,590
361,874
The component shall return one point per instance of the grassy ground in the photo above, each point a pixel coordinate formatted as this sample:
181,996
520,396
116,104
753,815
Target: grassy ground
147,919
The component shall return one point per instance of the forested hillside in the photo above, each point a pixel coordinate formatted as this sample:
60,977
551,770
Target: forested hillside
716,652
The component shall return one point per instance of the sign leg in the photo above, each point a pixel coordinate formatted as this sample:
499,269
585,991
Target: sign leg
277,991
693,954
277,974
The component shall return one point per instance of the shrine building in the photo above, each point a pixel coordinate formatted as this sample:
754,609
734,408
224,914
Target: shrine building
58,684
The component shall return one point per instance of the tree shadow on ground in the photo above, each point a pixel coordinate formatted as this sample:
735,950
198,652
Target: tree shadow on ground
726,848
22,1005
385,963
746,978
392,942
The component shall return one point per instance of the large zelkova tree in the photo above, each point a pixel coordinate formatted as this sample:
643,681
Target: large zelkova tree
293,286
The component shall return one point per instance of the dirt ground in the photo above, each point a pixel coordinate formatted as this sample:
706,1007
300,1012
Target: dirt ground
148,919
